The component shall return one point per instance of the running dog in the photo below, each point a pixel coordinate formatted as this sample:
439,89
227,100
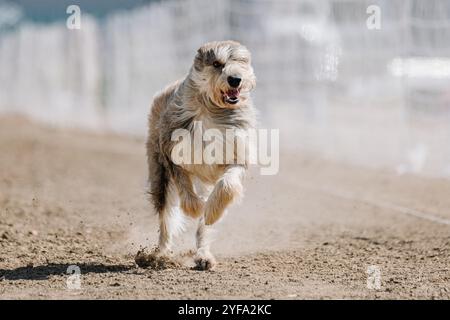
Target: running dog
214,94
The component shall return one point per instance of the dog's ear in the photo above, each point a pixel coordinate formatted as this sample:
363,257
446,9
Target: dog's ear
199,59
209,56
205,56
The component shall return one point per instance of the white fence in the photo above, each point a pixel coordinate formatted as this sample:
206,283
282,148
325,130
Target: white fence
348,92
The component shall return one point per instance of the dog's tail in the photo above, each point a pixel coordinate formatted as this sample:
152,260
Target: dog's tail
159,181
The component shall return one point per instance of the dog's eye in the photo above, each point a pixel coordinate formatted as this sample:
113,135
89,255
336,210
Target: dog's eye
217,65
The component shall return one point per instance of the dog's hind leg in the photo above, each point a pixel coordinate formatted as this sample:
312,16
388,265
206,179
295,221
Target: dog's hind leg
171,219
203,258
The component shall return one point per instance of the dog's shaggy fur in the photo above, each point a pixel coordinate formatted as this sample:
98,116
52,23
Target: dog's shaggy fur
216,92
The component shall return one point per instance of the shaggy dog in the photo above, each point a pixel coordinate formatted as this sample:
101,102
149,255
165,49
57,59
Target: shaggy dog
216,95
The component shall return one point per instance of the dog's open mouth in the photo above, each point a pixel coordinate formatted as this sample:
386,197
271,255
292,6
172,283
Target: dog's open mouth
231,96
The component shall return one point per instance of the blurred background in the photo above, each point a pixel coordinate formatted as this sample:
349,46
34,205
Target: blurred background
332,85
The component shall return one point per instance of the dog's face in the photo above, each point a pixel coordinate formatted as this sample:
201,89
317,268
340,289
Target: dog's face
223,71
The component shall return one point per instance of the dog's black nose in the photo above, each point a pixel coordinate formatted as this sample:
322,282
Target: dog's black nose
234,81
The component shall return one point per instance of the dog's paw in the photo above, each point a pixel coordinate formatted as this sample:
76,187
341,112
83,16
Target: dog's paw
192,205
204,261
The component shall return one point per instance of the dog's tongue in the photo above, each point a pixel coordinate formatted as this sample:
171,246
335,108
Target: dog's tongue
233,93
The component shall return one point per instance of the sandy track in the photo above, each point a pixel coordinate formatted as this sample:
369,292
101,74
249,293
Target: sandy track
72,198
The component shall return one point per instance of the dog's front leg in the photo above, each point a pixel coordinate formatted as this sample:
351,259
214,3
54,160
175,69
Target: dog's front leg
191,204
228,188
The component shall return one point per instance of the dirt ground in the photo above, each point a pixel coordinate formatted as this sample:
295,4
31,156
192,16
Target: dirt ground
312,231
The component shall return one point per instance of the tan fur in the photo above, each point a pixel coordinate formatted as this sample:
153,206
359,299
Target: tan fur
199,97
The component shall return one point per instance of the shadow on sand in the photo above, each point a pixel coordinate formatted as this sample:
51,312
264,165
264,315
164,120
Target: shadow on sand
45,271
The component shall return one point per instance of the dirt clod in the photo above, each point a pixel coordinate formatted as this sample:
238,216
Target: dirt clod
154,260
